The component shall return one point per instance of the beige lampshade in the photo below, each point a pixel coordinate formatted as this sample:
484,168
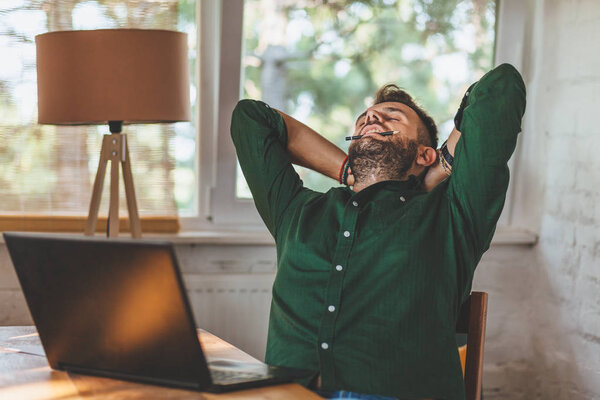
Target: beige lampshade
129,75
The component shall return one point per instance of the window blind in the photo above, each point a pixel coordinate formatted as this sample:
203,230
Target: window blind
48,171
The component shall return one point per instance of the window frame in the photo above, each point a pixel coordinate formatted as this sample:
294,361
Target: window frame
218,76
511,34
220,73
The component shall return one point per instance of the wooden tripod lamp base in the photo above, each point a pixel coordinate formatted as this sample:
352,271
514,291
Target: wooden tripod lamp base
140,76
114,149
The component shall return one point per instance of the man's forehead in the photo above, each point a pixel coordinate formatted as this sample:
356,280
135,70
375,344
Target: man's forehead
388,106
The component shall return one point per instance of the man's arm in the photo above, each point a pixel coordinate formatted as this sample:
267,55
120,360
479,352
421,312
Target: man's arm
436,174
309,149
260,138
489,128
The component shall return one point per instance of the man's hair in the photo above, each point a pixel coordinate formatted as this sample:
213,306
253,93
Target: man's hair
394,93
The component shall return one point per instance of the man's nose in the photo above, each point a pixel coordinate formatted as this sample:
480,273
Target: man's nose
372,116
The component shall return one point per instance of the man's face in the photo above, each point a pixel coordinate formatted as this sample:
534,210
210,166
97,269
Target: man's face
388,116
387,157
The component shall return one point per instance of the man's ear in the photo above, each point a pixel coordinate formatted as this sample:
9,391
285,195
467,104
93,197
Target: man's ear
426,156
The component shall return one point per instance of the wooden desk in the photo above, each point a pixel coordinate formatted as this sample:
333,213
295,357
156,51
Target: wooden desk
24,374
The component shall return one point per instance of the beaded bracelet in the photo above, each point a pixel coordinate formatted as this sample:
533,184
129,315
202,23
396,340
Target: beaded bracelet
343,170
344,180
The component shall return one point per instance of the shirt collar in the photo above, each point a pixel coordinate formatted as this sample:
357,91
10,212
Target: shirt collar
413,183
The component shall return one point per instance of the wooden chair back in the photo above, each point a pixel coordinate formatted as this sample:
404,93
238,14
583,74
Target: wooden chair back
471,320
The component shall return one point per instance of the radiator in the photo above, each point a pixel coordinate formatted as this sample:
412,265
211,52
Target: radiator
234,307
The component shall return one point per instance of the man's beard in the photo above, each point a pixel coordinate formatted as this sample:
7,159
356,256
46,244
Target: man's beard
379,160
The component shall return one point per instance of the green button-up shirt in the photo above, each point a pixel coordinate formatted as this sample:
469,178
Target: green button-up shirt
369,284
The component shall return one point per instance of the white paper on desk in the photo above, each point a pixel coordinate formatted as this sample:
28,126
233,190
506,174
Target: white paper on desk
229,364
33,349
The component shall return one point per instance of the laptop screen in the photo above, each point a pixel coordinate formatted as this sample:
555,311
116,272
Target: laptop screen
109,306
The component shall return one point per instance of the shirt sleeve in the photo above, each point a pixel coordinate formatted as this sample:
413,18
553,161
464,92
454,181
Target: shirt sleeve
489,127
260,138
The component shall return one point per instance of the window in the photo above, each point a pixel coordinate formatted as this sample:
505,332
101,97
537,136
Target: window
47,171
197,160
436,60
322,62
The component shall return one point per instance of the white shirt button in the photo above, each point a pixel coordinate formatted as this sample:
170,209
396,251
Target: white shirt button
347,234
402,199
331,308
339,267
355,203
324,346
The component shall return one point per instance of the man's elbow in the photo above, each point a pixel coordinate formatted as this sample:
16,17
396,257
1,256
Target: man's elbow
504,84
507,77
241,113
243,109
513,78
516,86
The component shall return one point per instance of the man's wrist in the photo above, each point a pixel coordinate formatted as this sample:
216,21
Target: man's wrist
343,175
446,159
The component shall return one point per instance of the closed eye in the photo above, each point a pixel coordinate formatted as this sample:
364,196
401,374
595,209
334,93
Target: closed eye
396,112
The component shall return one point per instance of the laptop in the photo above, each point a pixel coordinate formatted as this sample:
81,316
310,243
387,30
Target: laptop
118,308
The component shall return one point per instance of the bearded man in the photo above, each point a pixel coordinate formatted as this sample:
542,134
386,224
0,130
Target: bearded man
371,276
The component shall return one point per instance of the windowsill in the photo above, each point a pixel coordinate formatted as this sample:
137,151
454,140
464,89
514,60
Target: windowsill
504,236
255,237
77,222
230,237
513,236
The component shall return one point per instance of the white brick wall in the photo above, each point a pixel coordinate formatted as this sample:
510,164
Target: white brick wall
544,335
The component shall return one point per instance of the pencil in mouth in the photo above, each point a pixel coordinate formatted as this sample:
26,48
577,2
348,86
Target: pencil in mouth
387,133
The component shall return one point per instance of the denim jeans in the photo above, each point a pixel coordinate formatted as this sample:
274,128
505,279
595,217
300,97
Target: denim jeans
342,394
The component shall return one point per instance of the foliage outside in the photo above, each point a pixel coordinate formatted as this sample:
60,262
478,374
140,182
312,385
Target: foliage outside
322,61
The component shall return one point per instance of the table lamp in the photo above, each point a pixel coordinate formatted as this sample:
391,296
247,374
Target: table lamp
114,77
